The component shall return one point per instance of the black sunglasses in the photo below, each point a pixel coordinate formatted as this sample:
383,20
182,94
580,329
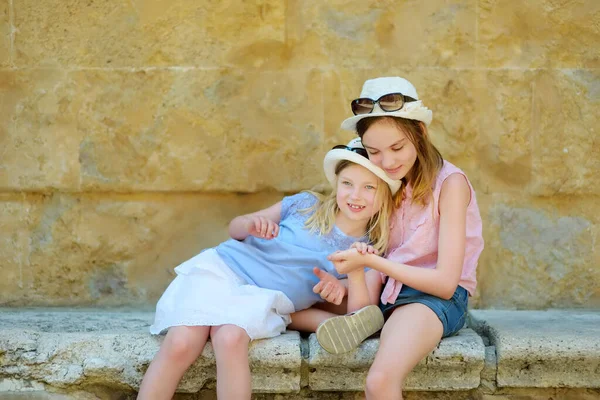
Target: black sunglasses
388,102
357,150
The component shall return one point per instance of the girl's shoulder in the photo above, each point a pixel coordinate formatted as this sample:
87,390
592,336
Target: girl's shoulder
290,205
448,169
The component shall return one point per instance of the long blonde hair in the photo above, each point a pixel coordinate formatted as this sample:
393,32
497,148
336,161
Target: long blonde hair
429,160
322,220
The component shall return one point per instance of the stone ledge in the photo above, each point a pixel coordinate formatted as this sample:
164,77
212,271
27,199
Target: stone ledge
456,364
543,349
65,348
61,348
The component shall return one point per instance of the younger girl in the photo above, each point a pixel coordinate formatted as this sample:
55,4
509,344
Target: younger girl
435,241
247,287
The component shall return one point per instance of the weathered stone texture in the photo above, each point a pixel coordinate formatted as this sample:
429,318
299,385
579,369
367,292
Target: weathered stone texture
107,249
39,138
540,255
201,130
538,34
551,349
162,131
385,34
113,349
503,145
5,38
141,33
566,135
154,96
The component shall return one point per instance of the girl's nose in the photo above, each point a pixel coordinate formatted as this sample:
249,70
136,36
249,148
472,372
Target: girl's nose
387,162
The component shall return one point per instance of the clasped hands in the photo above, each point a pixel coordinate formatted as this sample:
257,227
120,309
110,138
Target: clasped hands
329,287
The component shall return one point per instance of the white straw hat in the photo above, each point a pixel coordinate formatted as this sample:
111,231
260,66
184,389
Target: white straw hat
333,157
375,88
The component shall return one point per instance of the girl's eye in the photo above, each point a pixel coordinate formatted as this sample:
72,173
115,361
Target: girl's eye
346,183
372,153
370,187
398,149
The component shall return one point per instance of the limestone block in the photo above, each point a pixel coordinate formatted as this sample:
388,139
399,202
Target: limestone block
107,249
540,255
39,137
385,34
503,144
79,348
15,229
539,34
5,38
554,348
455,364
140,33
566,154
216,130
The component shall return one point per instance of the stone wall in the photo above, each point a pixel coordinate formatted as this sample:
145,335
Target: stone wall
131,132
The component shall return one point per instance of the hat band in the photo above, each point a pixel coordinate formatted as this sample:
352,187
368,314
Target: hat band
358,150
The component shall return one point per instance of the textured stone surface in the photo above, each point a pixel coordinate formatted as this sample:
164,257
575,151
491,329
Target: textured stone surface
113,349
503,146
5,38
538,34
384,34
142,33
455,364
143,97
107,249
162,130
556,348
566,154
540,255
39,139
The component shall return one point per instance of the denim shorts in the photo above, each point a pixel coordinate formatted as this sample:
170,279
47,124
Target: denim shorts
451,312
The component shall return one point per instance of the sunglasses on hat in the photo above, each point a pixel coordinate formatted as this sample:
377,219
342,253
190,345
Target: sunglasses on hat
357,150
388,102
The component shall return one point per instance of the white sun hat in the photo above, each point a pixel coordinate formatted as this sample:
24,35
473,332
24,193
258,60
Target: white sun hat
375,88
333,157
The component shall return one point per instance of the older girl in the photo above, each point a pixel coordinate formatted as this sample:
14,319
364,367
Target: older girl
435,240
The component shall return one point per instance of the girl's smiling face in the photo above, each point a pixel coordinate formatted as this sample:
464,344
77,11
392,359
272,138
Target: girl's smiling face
390,149
356,197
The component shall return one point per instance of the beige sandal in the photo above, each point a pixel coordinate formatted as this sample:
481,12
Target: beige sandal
344,333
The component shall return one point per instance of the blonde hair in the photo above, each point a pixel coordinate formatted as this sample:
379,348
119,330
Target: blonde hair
322,220
429,160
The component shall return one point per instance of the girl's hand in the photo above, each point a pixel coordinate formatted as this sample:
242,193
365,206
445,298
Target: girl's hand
364,248
262,227
348,260
329,287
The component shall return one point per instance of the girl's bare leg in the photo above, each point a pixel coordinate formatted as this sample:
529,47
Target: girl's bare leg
308,320
180,348
411,332
230,343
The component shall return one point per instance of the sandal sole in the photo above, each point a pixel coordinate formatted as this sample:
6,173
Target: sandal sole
342,334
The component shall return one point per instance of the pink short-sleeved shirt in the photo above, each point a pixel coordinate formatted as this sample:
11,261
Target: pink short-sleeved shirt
415,231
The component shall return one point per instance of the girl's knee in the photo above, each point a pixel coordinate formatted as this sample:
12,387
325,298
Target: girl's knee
380,384
230,337
182,343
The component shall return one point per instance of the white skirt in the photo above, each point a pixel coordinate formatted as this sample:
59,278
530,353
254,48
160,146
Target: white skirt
206,292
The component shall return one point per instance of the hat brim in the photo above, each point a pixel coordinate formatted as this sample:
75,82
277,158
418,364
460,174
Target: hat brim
417,112
333,157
